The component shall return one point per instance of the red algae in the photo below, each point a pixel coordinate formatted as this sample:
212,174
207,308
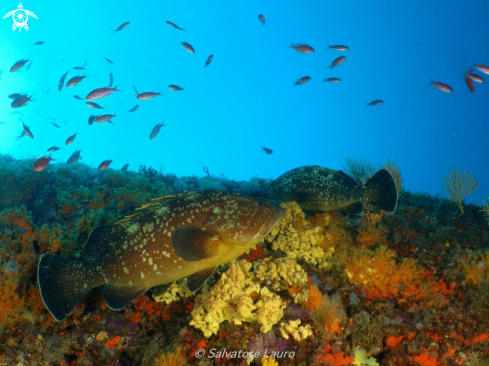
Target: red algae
113,342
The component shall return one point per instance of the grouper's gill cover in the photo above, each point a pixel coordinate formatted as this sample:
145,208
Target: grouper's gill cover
177,236
315,188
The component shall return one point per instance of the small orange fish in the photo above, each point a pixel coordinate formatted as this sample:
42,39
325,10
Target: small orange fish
93,105
443,87
482,68
62,81
74,81
18,65
375,102
70,139
302,80
332,80
104,165
338,47
100,93
302,48
267,150
74,157
209,60
469,81
42,163
173,25
17,95
336,62
27,131
109,61
81,67
188,47
91,119
261,18
175,87
122,26
21,101
156,130
145,95
104,118
476,78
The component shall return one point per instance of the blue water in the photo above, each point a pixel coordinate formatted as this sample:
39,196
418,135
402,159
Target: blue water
245,98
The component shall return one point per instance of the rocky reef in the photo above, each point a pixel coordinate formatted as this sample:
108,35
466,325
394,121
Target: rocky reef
408,288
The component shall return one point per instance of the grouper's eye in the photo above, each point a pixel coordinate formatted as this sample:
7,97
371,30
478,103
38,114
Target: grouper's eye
259,203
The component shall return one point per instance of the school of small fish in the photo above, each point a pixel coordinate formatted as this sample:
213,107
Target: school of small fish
20,100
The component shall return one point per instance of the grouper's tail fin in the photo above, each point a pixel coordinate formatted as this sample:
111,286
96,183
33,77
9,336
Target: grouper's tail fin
381,191
61,284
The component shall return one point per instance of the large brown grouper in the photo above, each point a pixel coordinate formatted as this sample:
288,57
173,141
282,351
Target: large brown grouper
315,188
182,235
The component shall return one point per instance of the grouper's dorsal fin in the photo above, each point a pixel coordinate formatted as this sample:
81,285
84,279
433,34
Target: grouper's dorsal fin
98,241
118,297
193,244
158,200
128,217
155,201
197,280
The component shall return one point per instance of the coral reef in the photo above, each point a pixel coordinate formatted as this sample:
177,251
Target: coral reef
407,288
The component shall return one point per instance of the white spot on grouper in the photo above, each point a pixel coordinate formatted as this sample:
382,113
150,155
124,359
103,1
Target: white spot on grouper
163,211
150,261
142,275
148,227
133,228
216,210
130,283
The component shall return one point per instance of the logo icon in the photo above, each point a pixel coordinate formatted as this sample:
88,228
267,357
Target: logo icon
20,17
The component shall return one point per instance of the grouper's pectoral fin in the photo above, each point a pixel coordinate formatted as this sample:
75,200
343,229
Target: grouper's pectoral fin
197,280
354,208
193,244
118,297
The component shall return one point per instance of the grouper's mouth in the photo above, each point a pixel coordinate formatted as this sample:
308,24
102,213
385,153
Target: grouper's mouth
272,220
